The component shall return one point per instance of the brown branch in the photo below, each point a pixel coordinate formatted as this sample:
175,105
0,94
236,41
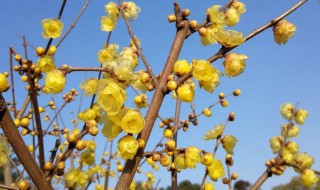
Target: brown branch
59,17
151,115
174,174
12,83
8,187
106,181
24,107
139,50
34,100
222,51
73,24
20,148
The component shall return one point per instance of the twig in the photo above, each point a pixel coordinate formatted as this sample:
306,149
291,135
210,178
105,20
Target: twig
24,107
8,187
222,51
20,148
12,83
106,182
73,24
59,17
139,50
174,174
157,99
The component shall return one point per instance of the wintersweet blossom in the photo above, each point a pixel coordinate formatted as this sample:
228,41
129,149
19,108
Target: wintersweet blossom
52,28
202,70
234,64
214,133
131,10
300,116
229,38
4,84
283,31
185,92
192,156
89,86
109,53
228,143
309,178
215,170
54,82
132,121
111,98
216,17
111,128
128,147
286,110
46,63
181,67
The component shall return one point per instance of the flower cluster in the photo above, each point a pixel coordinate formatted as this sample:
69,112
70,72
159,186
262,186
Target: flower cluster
108,23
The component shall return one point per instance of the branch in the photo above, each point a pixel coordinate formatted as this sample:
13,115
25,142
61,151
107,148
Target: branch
174,174
222,51
139,50
156,102
19,147
73,24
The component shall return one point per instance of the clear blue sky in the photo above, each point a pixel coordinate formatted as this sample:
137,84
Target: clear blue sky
274,74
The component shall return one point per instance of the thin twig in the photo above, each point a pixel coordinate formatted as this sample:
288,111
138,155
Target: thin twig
139,50
73,24
174,174
12,83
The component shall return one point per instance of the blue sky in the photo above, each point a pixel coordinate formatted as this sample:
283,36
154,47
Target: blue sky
274,74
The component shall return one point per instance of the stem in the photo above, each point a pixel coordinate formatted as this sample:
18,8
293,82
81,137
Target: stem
106,182
12,83
156,102
174,174
73,24
139,50
20,147
8,187
34,100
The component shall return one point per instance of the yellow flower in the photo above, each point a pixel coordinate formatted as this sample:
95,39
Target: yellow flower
132,121
208,186
239,6
215,170
55,82
232,17
202,70
89,114
283,31
309,178
46,63
4,84
234,64
275,143
132,185
211,85
185,92
99,187
3,159
112,10
210,36
136,83
192,156
76,178
228,143
111,98
304,160
181,67
128,147
214,133
111,128
293,130
300,116
89,86
286,110
180,161
292,147
87,157
109,53
52,28
107,24
229,38
128,57
216,17
131,10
